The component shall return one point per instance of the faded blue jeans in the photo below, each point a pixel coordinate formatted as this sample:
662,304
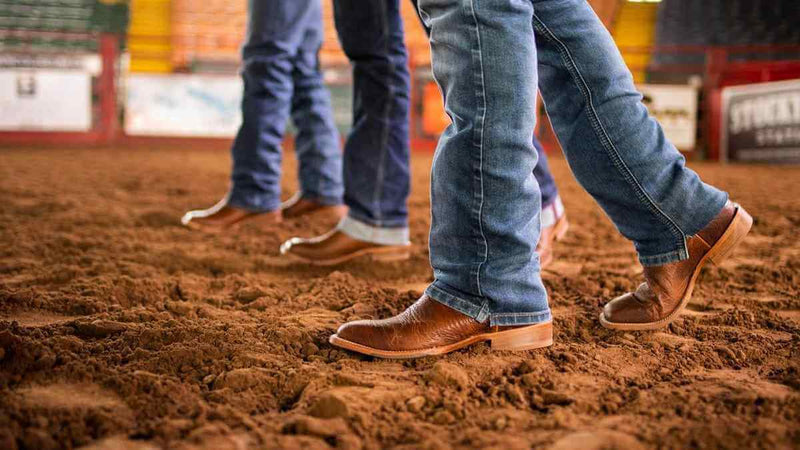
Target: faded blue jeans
547,185
282,79
488,57
376,154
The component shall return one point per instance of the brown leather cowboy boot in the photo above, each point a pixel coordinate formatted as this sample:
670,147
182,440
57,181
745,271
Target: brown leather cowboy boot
336,247
298,206
548,238
222,217
428,327
668,288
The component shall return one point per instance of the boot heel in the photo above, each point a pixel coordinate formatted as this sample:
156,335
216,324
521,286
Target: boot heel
733,236
524,338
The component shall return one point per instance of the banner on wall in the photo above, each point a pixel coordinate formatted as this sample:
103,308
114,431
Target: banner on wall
675,108
183,105
45,100
207,105
761,122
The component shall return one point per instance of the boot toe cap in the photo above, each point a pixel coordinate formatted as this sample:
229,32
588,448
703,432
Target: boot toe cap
625,309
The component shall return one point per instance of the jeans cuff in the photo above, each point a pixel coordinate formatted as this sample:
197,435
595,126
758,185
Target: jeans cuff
376,235
551,212
251,202
665,258
481,312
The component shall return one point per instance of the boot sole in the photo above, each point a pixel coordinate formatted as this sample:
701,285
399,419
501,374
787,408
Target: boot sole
380,254
517,339
719,252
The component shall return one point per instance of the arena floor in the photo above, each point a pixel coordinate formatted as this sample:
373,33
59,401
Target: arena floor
121,329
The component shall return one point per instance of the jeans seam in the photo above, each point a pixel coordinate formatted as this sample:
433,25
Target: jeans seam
379,176
482,95
601,133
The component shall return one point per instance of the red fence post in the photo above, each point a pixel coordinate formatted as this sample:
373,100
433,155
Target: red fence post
716,60
109,52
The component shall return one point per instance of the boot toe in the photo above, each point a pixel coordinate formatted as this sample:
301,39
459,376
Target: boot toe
187,218
286,247
625,309
356,331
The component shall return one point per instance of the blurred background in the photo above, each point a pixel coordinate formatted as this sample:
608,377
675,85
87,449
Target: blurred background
112,72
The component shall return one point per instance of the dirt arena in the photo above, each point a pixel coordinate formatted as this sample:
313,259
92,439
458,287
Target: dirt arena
121,329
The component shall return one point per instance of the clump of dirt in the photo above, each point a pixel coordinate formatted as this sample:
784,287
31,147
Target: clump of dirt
121,329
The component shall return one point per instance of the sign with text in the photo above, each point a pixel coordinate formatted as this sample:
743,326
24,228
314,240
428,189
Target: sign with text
761,122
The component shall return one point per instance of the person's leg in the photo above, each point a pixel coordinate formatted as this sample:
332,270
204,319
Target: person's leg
485,201
275,31
484,198
280,50
620,155
616,150
376,155
553,218
317,141
547,184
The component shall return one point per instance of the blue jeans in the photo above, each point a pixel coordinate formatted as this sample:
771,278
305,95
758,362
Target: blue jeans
547,185
488,57
376,154
282,79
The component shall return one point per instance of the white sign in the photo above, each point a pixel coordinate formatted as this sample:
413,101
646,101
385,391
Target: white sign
183,105
675,108
45,100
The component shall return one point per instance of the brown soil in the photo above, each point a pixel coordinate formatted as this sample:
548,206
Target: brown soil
120,329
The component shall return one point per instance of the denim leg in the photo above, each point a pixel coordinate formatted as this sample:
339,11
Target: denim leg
485,201
615,149
376,155
276,30
547,185
319,154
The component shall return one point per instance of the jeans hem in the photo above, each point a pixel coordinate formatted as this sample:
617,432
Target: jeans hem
481,313
396,223
376,235
235,200
664,258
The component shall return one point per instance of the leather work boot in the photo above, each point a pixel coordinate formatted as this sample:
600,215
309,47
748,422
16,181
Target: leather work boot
298,206
547,240
335,247
668,288
222,217
428,327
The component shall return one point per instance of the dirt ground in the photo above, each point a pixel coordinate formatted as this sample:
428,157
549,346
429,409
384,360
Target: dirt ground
121,329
